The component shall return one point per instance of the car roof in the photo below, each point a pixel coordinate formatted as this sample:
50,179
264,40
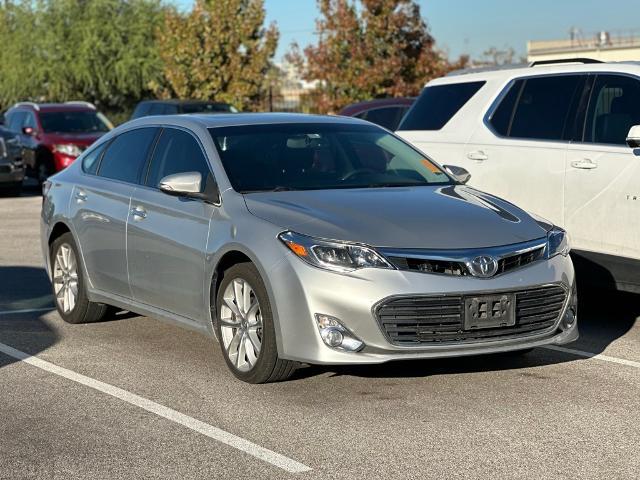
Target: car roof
54,107
240,119
527,70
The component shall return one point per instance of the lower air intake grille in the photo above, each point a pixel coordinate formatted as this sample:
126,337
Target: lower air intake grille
431,320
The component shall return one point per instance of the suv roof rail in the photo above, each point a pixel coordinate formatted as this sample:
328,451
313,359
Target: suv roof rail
28,104
564,60
81,102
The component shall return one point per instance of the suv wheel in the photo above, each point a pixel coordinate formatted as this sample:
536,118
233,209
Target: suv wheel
244,326
69,287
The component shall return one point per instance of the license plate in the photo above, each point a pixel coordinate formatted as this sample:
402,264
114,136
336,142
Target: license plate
489,311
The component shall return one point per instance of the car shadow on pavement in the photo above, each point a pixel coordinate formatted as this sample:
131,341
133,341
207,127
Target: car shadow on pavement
25,297
604,316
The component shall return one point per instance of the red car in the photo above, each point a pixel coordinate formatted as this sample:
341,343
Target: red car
386,112
52,135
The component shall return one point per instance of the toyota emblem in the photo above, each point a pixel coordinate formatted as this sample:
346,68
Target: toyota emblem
483,266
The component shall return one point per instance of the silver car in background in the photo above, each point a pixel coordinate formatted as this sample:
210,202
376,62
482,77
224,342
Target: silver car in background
298,238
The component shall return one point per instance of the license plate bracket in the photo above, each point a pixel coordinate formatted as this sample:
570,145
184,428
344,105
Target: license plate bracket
489,311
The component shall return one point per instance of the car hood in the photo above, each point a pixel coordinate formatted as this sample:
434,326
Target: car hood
75,138
440,217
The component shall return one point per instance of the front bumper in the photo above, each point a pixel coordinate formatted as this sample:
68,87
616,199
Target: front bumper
300,291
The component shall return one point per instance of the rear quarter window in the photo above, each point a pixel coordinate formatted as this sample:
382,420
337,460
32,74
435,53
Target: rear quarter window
438,104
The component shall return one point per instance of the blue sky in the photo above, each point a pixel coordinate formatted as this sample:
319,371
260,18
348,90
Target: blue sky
472,26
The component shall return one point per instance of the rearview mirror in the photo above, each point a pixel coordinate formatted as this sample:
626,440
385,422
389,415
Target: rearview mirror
459,173
633,137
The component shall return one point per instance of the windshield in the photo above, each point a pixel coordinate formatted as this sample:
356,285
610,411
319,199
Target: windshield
79,121
320,156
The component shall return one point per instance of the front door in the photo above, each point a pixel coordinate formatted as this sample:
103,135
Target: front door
167,235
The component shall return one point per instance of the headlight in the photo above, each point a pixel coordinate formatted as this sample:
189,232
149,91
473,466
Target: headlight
337,256
67,149
558,242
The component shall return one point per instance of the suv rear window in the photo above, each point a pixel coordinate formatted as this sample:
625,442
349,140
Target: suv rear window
438,104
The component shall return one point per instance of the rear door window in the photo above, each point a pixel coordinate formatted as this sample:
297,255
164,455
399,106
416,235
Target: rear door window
177,151
613,109
438,104
127,154
542,107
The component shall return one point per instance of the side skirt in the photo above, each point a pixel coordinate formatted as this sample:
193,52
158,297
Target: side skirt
149,311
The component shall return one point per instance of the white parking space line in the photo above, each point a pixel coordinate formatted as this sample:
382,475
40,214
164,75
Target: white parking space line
210,431
28,310
596,356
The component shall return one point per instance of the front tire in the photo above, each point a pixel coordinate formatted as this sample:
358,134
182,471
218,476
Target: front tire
244,327
69,286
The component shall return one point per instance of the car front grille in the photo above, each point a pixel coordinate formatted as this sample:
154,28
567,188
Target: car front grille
459,268
428,320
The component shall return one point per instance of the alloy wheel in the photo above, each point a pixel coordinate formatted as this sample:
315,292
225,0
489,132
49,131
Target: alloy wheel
241,325
65,278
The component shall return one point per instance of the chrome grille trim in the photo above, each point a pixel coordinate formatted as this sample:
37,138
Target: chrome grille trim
454,261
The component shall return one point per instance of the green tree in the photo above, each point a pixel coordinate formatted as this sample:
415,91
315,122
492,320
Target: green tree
368,49
219,50
101,51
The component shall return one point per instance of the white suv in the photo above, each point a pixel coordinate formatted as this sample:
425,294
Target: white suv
554,139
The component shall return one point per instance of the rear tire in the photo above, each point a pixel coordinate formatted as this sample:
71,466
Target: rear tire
69,286
244,327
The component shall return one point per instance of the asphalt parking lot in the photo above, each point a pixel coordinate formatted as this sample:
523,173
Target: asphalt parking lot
133,397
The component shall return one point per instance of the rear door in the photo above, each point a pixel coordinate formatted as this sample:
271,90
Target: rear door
100,206
519,151
167,237
603,174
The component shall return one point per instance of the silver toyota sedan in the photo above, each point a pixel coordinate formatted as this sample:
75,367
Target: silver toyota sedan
299,238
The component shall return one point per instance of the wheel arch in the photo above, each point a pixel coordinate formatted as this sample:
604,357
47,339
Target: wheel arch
59,229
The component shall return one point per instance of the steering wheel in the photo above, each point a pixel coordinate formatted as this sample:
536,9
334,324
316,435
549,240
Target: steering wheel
355,172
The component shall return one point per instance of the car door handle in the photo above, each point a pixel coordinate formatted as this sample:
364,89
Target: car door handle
81,196
139,213
478,155
584,164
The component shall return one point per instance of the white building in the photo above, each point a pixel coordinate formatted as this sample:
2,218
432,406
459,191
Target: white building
604,46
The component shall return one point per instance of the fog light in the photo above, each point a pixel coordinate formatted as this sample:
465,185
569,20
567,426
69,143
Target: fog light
336,335
569,318
332,337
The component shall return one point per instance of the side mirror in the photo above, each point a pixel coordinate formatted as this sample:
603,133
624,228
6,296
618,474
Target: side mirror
177,184
459,173
633,137
29,131
189,184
